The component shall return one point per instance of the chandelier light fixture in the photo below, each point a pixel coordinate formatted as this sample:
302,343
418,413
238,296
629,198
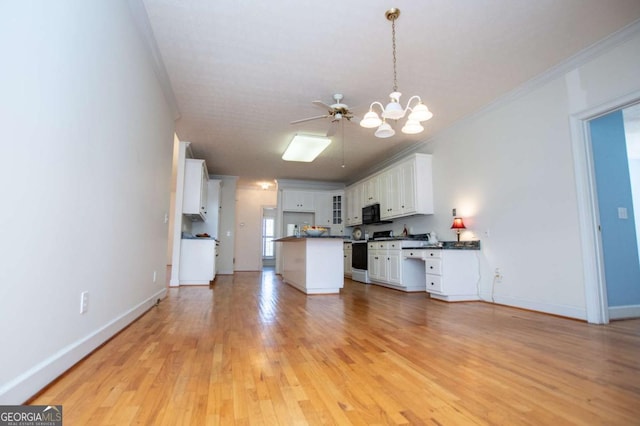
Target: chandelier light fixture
394,111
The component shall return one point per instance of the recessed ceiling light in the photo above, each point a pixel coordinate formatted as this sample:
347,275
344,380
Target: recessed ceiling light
305,148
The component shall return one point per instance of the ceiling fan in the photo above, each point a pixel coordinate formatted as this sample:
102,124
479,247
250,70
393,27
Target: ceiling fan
336,112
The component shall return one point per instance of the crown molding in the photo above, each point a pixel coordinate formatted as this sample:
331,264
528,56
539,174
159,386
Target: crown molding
558,71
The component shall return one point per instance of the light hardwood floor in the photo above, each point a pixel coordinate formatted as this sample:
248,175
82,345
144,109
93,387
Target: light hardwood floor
252,350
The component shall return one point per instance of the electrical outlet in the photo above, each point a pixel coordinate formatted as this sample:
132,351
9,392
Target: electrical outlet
84,302
453,212
498,275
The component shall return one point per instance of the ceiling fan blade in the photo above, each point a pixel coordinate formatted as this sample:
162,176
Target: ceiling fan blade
333,128
322,104
309,119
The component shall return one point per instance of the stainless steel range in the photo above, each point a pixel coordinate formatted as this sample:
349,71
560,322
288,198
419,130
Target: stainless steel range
359,261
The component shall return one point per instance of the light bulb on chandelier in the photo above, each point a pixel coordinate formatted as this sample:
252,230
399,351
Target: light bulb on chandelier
393,110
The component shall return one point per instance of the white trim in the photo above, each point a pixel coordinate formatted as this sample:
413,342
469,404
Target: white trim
548,308
23,387
184,148
593,265
624,312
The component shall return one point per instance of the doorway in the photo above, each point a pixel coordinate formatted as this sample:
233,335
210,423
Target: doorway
615,149
268,235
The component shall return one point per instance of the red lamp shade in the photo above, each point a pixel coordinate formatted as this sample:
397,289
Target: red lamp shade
458,224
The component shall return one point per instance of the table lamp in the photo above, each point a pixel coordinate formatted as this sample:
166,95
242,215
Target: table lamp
458,224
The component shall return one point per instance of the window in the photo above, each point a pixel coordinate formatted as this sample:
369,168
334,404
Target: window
268,225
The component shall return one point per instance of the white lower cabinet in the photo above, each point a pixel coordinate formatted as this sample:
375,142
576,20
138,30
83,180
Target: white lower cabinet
197,261
452,275
347,258
388,266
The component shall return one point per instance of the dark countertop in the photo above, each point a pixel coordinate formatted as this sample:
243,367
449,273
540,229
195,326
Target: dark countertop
306,237
441,245
461,245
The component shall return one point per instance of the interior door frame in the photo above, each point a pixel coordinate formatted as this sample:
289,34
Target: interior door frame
588,214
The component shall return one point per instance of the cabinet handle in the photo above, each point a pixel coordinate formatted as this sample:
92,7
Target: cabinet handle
430,267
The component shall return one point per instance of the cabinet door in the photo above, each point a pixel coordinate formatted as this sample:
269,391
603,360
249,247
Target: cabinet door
370,191
347,260
408,187
373,265
354,205
194,196
324,209
383,187
392,180
394,267
297,201
337,211
348,198
383,266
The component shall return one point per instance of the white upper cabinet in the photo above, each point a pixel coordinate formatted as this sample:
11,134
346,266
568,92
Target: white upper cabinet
370,191
417,185
403,189
329,213
194,199
298,201
353,196
324,213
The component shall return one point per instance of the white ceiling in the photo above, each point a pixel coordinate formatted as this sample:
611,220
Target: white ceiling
242,70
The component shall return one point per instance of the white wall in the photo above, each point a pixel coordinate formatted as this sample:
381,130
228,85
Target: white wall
86,146
248,244
226,236
510,171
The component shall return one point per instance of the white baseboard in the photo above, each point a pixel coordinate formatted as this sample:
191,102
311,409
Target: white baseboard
549,308
624,312
23,387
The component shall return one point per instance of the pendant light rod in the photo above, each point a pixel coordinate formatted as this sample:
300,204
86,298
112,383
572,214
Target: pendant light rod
392,15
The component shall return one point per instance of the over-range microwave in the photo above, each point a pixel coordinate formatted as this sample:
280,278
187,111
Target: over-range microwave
371,214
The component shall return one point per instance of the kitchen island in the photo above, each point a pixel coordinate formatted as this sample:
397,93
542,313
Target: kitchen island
313,265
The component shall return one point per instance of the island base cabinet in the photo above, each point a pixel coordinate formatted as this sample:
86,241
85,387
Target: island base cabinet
313,265
452,275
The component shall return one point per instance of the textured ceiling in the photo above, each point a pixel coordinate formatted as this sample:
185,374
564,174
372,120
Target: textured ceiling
242,70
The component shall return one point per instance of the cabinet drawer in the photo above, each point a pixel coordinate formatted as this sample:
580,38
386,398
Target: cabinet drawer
392,245
433,266
433,253
414,254
434,283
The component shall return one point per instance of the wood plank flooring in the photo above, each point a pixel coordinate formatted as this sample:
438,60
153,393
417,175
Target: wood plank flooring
251,350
